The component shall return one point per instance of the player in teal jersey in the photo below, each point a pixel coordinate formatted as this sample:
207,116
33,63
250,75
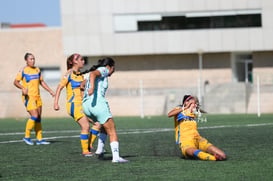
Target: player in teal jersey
96,106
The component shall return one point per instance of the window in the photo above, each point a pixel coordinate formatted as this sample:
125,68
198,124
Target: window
51,75
190,20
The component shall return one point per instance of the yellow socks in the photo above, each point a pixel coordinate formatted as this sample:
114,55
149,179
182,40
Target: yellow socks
93,135
35,123
84,142
29,126
38,130
203,155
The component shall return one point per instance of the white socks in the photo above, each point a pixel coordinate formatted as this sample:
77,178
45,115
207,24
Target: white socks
115,150
101,142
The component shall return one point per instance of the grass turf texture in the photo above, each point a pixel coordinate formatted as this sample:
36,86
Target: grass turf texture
149,145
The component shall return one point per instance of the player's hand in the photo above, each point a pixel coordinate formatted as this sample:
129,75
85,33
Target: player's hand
52,93
24,91
90,92
91,121
56,107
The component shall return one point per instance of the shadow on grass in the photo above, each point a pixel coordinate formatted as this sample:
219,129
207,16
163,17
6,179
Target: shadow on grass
107,158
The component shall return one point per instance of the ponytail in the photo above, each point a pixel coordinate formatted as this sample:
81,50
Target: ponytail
101,63
94,67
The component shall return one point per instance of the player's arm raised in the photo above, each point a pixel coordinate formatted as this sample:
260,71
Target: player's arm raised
174,112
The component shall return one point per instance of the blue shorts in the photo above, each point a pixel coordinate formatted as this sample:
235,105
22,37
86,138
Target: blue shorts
97,109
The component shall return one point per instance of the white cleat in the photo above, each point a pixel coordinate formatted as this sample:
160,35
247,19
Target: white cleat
88,154
120,160
99,152
42,142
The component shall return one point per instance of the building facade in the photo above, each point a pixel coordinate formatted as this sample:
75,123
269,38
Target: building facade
46,45
215,49
220,51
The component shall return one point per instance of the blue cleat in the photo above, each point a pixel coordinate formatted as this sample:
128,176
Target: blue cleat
28,141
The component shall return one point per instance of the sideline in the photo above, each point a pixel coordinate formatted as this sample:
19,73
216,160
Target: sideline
129,131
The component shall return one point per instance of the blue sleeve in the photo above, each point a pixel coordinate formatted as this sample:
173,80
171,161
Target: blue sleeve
180,117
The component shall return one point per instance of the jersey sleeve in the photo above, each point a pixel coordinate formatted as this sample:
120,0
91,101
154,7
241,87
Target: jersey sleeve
64,79
103,71
40,74
180,115
19,75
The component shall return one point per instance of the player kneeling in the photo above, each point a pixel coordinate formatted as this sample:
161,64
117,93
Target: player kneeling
187,136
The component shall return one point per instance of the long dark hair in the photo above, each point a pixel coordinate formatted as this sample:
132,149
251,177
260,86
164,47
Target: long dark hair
69,61
101,63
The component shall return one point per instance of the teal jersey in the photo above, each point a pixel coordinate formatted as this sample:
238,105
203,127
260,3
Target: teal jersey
101,84
95,106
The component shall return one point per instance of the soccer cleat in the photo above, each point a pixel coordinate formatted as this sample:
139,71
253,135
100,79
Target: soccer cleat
87,154
120,160
28,141
98,152
42,142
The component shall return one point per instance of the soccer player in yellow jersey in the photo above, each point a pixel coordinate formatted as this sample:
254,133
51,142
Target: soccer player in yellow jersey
72,82
31,78
187,136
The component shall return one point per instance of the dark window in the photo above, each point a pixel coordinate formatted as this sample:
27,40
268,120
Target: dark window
206,22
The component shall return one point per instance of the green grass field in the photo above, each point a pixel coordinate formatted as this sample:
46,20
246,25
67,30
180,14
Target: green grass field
149,145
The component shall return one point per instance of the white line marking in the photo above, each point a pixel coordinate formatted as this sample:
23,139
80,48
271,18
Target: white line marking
129,131
22,133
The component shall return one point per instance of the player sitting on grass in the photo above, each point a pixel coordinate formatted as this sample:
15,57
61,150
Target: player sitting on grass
187,136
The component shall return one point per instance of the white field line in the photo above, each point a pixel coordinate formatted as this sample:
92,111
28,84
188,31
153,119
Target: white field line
129,131
22,133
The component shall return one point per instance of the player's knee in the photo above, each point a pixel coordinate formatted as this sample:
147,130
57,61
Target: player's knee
85,126
190,151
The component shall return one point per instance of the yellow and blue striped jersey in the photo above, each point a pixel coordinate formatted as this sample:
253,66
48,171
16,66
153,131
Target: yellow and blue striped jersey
31,78
185,125
72,83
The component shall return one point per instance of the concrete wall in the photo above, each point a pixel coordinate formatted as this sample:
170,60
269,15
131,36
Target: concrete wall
263,63
89,28
46,45
167,71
